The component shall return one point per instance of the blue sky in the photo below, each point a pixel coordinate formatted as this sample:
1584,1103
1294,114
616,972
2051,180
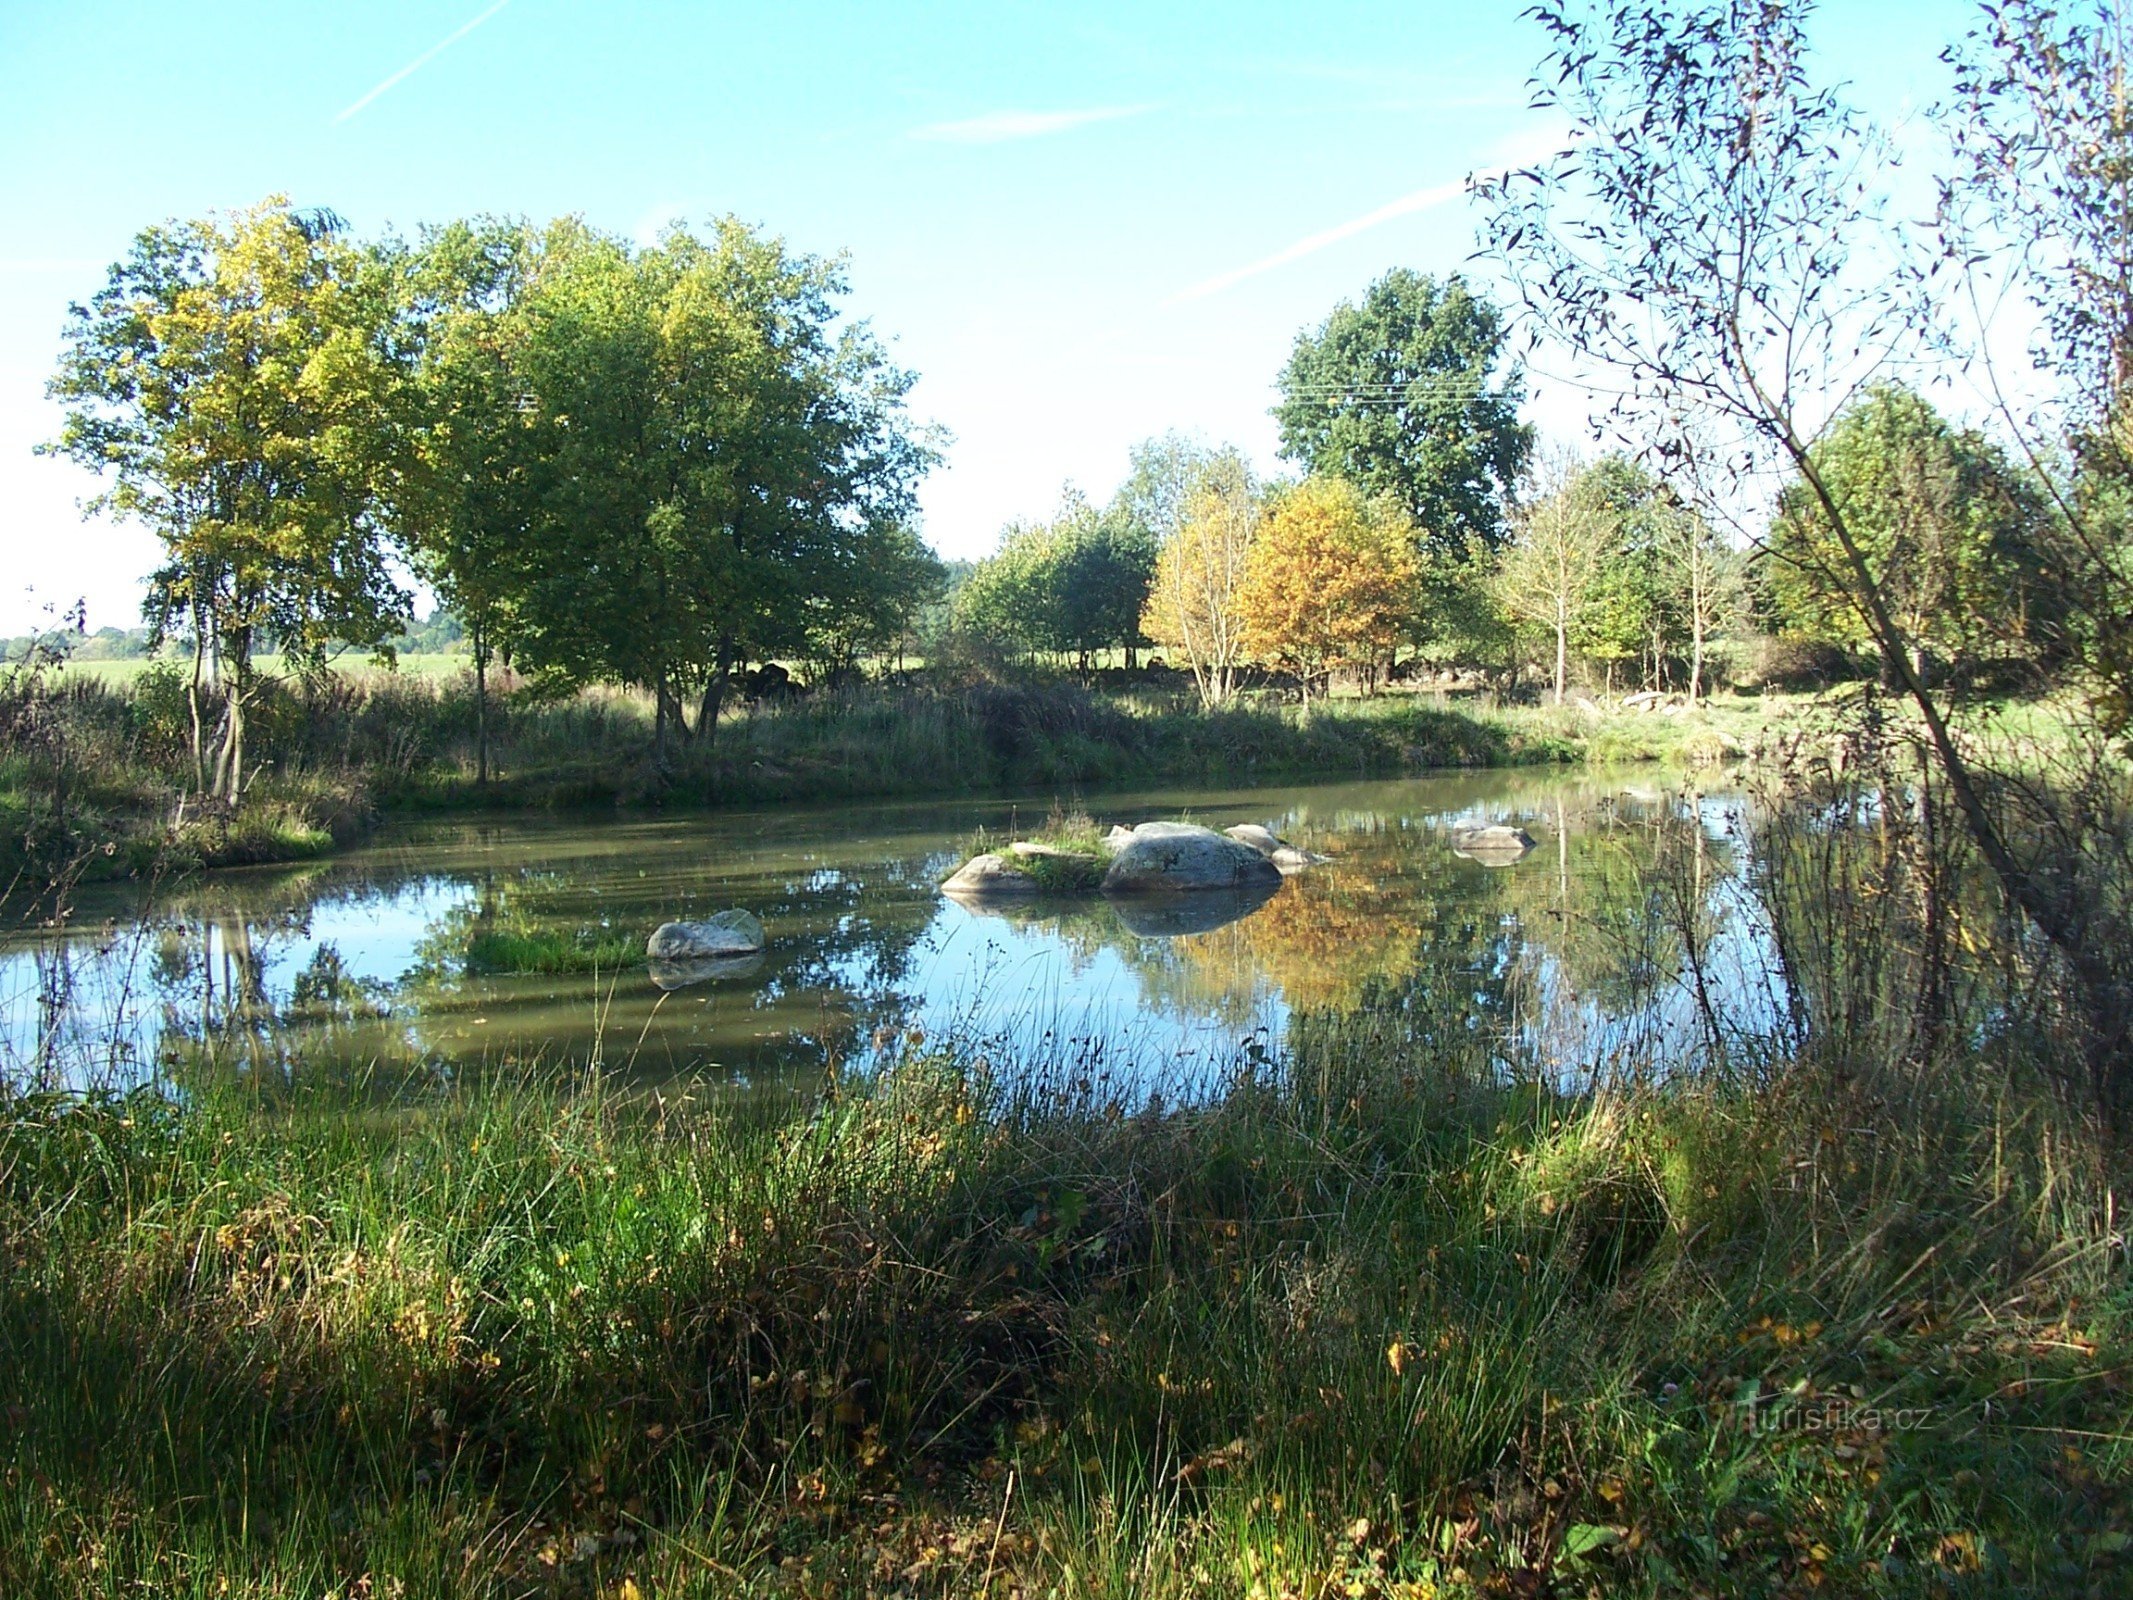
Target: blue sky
1081,224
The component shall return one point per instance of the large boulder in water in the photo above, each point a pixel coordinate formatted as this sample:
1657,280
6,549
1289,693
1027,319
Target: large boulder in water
730,933
1177,857
986,876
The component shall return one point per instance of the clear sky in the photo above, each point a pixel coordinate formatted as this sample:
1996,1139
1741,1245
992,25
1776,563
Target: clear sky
1081,224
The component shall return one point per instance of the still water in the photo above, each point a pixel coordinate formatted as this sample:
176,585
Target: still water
413,949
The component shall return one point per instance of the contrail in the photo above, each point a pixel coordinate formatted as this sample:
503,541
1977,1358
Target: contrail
1509,156
1420,200
424,59
997,127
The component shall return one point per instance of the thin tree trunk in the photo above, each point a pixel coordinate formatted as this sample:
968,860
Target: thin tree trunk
1562,647
481,707
714,697
192,703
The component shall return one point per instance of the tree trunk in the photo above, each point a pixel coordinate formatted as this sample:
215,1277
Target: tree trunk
481,707
1562,647
192,704
714,697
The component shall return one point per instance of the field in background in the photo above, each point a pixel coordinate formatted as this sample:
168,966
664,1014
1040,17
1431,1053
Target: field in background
120,673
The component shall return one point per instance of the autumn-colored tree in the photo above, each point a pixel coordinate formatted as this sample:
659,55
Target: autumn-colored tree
1199,575
1330,582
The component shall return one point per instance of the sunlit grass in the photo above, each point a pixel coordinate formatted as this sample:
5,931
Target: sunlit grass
1369,1329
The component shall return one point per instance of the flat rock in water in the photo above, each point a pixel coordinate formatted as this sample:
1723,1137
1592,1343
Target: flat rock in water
1287,859
988,875
1177,857
1498,845
730,933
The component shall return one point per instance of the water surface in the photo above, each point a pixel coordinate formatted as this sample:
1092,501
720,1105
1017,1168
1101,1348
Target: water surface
388,952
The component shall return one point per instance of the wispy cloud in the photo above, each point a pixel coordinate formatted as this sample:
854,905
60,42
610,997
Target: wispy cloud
999,127
1513,153
421,61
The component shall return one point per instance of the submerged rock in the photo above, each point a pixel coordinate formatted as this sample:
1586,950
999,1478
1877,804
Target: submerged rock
730,933
1168,916
1498,845
680,974
1177,857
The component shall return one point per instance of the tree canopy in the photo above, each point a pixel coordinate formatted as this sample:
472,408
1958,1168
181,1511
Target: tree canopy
1400,394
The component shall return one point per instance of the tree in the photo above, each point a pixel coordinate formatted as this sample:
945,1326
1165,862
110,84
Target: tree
1150,506
1399,394
2040,208
1329,582
463,510
239,377
1006,598
1564,536
715,461
1199,573
1074,585
893,578
1947,526
1629,612
1704,576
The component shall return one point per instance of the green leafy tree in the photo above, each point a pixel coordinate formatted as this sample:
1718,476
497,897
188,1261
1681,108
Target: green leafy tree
1075,585
1401,395
1948,527
463,509
891,581
240,379
1553,568
716,461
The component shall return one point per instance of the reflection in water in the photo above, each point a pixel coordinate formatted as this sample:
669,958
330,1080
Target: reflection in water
455,947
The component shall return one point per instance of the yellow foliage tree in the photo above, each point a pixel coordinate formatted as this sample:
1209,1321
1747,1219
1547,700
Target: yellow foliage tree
1330,582
1192,600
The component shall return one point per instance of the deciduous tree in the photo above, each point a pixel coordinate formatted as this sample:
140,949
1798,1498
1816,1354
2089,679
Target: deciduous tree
1330,582
239,377
1401,393
1199,574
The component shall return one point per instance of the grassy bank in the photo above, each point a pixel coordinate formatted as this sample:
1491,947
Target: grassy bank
1378,1334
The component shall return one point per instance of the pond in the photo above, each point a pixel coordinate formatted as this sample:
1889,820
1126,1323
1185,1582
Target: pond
455,946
